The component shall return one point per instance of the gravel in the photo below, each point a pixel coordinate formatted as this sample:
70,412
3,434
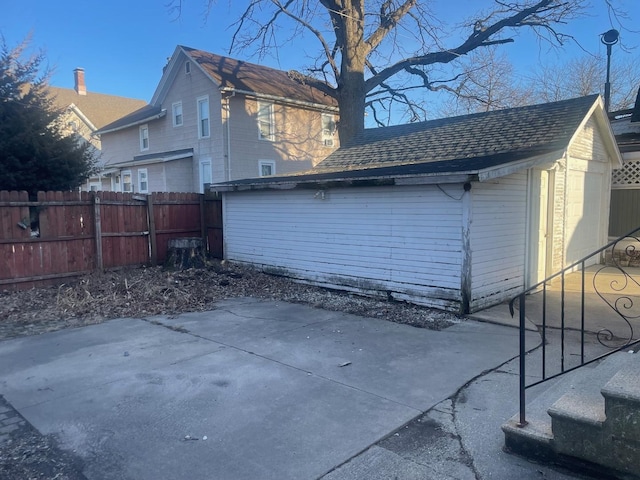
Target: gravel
147,291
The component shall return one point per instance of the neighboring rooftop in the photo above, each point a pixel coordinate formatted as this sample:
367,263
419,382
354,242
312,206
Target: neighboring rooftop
99,108
626,126
249,77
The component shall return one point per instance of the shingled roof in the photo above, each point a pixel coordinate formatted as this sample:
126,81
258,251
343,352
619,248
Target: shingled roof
249,77
99,108
481,139
231,74
454,146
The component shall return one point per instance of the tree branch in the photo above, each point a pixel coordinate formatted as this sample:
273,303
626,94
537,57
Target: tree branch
481,37
388,21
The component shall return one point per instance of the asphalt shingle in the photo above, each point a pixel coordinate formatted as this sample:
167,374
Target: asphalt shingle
491,136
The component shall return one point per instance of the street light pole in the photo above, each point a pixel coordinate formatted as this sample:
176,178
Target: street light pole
609,38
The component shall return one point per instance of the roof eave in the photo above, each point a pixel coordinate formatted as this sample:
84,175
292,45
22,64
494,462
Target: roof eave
519,165
150,161
150,118
364,181
279,99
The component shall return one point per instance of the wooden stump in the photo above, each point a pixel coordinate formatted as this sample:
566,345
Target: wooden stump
185,253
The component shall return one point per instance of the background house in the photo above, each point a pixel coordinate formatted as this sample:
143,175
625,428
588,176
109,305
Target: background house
213,119
84,112
457,213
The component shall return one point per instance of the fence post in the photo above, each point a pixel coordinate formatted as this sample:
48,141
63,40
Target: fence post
98,230
152,231
203,226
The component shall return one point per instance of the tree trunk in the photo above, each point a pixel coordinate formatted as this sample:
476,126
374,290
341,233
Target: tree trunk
351,98
351,86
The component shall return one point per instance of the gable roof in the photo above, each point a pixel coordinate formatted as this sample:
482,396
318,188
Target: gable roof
483,137
100,109
226,74
461,147
247,77
138,117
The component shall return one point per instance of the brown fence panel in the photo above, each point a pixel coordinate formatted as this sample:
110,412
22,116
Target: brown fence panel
72,225
59,246
124,229
213,226
175,215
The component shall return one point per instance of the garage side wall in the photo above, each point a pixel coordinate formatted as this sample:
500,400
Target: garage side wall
498,239
588,195
399,241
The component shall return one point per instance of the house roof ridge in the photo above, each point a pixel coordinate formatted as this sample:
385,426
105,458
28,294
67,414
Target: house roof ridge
444,120
244,76
94,94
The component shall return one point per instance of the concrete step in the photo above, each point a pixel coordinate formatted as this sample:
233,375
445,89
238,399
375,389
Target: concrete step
567,421
622,400
535,439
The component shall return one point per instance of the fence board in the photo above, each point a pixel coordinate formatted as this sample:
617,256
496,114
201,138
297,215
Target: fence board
68,225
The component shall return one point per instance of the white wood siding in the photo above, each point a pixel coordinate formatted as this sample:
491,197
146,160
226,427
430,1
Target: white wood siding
402,240
498,239
588,195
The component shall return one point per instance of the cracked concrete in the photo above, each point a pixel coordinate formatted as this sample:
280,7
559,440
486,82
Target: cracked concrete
281,391
455,439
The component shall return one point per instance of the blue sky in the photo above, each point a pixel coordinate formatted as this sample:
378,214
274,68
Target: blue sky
123,45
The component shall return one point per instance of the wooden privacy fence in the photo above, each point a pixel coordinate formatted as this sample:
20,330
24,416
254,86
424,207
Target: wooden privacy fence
67,234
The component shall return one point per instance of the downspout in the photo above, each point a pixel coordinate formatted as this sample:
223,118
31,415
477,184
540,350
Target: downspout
228,121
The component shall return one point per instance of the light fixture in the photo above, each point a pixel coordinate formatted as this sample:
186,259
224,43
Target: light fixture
609,38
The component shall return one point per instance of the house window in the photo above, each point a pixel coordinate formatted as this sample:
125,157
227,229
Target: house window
143,181
127,185
94,186
144,137
177,114
187,67
265,121
205,173
203,118
328,129
266,168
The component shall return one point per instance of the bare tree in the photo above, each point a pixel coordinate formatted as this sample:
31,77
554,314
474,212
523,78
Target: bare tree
488,82
586,75
382,50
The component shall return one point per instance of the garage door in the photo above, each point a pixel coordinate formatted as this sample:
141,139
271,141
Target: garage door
584,214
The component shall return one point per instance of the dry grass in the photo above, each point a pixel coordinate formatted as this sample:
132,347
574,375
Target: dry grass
142,292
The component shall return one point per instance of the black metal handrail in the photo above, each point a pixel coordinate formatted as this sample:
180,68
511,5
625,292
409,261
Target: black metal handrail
618,299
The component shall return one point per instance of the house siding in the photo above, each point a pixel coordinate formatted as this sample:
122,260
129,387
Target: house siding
588,187
178,175
498,239
403,241
297,143
233,148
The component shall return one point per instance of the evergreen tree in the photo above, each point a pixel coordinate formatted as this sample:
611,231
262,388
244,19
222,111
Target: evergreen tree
34,154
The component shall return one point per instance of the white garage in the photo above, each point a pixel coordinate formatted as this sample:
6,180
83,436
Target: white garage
458,213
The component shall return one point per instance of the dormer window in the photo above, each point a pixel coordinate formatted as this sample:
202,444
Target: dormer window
187,67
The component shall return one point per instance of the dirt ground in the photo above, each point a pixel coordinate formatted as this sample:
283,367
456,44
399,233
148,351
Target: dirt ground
141,292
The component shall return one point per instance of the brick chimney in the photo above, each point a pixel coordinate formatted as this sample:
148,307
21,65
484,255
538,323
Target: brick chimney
78,75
